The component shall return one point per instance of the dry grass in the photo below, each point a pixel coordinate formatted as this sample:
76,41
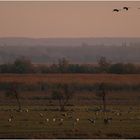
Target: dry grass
31,125
72,78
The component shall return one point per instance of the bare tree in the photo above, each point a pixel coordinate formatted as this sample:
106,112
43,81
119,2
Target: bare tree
13,93
63,94
102,92
63,65
103,64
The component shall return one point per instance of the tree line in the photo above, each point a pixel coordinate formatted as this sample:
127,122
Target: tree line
23,66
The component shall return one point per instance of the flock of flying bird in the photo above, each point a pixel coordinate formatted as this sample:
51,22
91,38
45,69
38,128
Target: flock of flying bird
124,8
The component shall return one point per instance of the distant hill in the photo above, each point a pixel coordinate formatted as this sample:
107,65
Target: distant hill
15,41
77,50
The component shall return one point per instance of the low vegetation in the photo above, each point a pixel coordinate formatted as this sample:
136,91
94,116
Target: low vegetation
23,66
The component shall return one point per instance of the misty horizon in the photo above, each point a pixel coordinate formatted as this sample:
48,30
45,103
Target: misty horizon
77,50
73,37
67,41
55,25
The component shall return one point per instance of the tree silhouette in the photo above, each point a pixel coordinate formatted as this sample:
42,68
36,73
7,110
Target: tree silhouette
63,94
63,65
103,64
13,93
22,65
102,92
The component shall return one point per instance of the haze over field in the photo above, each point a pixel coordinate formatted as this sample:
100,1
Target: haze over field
77,50
80,31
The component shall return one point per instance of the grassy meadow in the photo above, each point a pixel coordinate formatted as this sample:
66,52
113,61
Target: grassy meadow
40,116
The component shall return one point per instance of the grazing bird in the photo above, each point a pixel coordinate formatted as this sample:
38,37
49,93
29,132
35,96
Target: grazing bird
77,120
54,119
75,123
64,114
47,120
41,115
116,10
10,119
118,114
107,121
61,120
26,110
92,121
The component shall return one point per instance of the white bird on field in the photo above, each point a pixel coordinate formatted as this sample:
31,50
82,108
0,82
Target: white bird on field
47,120
54,119
77,119
118,114
9,120
26,110
61,119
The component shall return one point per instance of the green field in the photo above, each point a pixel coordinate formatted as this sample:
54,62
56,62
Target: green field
123,107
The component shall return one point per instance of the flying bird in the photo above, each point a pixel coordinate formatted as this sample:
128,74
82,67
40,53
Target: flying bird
116,10
126,8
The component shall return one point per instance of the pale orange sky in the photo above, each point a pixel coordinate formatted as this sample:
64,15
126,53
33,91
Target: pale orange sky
69,19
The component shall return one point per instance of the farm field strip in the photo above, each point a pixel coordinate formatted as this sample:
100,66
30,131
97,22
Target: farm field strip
71,78
123,108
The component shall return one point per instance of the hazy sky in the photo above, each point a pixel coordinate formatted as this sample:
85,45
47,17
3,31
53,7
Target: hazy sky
69,19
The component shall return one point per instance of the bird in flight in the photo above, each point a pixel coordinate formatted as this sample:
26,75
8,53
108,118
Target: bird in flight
126,8
123,8
116,10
